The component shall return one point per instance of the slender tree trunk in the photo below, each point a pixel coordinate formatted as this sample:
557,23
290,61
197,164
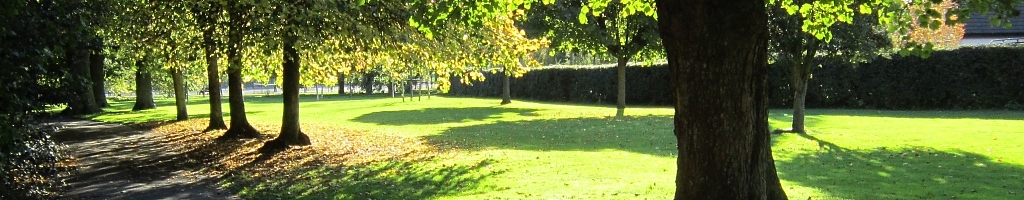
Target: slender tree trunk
240,127
291,133
180,100
799,78
800,73
718,59
143,87
620,101
506,90
391,88
368,82
213,80
98,77
341,83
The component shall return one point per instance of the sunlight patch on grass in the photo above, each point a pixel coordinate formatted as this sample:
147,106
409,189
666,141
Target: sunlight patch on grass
538,150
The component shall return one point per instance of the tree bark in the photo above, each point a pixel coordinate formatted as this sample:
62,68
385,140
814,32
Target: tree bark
800,73
799,78
506,89
717,55
240,127
85,101
213,79
391,89
341,83
98,77
291,133
180,100
368,82
620,101
143,87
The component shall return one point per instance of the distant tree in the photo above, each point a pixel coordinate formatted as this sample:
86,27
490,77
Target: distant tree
97,66
942,34
77,58
858,41
143,86
613,28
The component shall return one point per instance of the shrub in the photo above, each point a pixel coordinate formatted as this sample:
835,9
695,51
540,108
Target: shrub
30,162
964,78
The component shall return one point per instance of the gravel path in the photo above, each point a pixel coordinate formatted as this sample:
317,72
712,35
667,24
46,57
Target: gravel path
122,162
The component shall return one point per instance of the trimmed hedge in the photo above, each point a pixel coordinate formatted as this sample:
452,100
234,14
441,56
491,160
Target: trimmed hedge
584,85
965,78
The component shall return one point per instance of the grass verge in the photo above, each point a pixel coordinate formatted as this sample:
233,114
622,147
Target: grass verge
472,148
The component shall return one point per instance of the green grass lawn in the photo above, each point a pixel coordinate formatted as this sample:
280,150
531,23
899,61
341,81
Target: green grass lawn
536,150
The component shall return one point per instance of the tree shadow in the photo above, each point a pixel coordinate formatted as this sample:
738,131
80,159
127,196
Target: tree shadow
440,115
126,160
643,134
276,98
910,172
389,179
919,114
786,117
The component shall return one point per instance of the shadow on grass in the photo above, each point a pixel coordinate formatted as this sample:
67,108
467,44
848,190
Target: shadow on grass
440,115
642,134
116,156
277,99
391,179
903,173
935,114
145,116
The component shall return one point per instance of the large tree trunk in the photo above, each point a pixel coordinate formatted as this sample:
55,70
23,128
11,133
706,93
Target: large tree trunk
143,87
291,133
341,83
180,99
98,77
620,101
213,79
85,101
240,127
506,89
718,59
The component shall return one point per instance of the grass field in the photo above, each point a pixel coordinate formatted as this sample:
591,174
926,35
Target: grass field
537,150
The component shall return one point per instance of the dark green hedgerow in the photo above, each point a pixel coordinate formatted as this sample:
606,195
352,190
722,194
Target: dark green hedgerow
965,78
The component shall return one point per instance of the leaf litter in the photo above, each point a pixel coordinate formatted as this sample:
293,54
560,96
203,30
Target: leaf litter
331,146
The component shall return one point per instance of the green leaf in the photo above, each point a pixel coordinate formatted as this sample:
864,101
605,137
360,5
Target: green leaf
865,9
583,14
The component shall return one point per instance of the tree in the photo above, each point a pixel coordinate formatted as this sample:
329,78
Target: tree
77,59
143,86
611,27
859,40
302,26
207,15
96,71
291,133
35,75
506,87
717,54
341,83
721,117
180,101
239,24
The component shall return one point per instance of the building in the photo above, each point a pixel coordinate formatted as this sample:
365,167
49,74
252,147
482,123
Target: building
978,30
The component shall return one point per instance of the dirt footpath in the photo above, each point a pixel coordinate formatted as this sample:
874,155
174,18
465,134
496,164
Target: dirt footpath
122,162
